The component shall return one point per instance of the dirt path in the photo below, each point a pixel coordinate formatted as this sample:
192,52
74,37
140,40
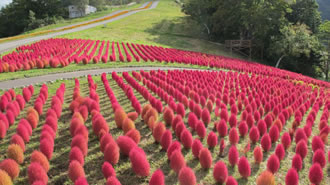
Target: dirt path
52,77
7,46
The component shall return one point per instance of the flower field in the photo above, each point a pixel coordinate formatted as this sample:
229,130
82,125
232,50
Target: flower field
250,125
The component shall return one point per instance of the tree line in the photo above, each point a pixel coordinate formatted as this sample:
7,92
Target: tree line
288,34
24,15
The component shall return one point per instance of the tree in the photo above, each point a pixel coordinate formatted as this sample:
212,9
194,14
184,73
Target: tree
81,4
99,4
324,36
295,40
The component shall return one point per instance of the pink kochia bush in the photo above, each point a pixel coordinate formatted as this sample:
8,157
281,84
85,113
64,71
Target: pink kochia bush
273,163
315,174
173,147
244,167
166,139
196,147
139,162
37,173
157,178
186,139
319,157
258,155
297,162
187,176
301,148
205,158
75,170
126,144
233,155
220,172
292,177
177,161
212,139
108,170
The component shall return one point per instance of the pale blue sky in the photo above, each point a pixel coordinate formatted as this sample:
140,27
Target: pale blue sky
4,2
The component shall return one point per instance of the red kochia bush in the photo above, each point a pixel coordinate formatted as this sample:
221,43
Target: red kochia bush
292,177
258,155
222,128
274,133
158,131
266,142
231,181
40,158
81,181
233,155
196,147
233,136
200,129
319,157
134,134
111,153
187,176
108,170
315,174
297,162
244,167
254,134
220,172
139,162
3,129
301,148
273,163
176,145
192,120
47,147
212,139
81,143
186,138
76,154
105,140
205,158
157,178
286,140
113,181
75,170
126,144
232,120
11,167
243,128
317,143
177,161
37,173
280,152
168,116
166,139
206,118
17,139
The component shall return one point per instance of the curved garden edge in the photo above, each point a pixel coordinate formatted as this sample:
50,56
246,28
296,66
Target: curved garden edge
68,75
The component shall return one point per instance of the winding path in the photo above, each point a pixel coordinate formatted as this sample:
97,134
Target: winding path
69,75
14,44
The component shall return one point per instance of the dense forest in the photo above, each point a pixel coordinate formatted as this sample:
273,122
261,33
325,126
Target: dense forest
286,34
24,15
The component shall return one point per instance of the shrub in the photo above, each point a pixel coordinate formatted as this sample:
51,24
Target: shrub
75,170
180,127
243,128
292,177
158,131
206,116
100,124
200,129
280,152
233,155
15,152
108,170
10,167
127,125
317,143
301,149
177,161
81,181
273,163
254,134
76,154
192,120
111,152
40,158
300,135
266,142
297,162
81,143
82,130
258,155
286,140
262,127
186,139
33,120
17,139
233,136
105,140
134,134
176,145
120,116
166,139
157,178
37,173
224,114
126,144
220,172
3,129
222,146
250,120
177,119
187,176
231,181
205,158
139,162
222,128
266,178
47,147
196,147
168,116
5,178
52,122
180,110
232,120
315,174
274,133
244,167
319,157
112,181
22,131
